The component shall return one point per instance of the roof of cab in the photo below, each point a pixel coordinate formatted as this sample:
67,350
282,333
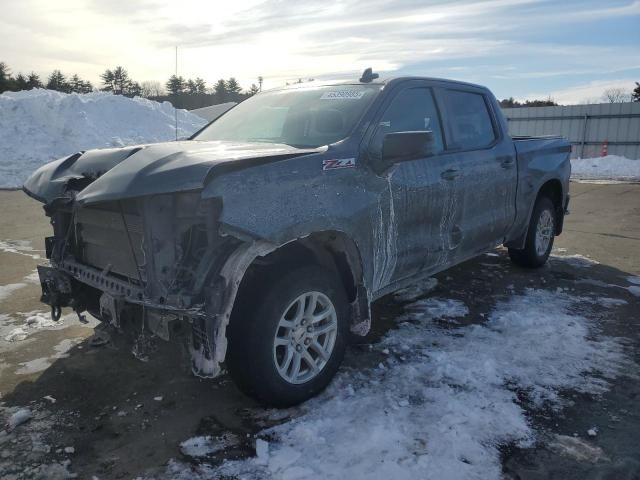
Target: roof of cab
381,81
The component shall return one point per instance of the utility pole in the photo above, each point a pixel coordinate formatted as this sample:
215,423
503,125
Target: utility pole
260,82
175,106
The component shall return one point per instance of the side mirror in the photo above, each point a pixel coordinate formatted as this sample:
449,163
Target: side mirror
404,146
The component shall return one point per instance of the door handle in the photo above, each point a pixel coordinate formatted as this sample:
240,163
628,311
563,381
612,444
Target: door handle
450,174
507,162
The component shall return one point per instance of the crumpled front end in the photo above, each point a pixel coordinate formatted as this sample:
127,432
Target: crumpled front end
149,265
136,244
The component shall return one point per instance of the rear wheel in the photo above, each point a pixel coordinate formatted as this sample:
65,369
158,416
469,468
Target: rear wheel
539,241
287,338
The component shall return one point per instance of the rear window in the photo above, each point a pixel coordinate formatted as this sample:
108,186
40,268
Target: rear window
469,120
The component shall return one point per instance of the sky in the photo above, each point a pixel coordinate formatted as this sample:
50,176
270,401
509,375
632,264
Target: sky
568,50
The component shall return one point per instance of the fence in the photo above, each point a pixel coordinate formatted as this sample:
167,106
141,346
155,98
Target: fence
593,130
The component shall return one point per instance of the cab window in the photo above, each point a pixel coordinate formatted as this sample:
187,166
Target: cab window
412,109
469,120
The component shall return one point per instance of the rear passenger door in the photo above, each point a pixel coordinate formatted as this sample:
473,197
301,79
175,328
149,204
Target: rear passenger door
487,166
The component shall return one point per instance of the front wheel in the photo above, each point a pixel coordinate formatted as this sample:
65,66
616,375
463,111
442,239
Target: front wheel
287,338
539,241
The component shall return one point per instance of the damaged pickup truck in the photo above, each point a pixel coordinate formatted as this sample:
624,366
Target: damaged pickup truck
263,240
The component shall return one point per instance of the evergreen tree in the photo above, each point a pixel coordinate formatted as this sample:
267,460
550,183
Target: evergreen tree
57,81
21,82
33,81
118,82
220,90
233,87
77,85
253,90
635,95
200,86
133,89
6,81
107,81
176,85
190,87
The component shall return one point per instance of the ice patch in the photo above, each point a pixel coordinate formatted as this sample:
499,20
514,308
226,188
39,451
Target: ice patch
443,408
206,445
576,260
577,449
18,418
16,335
7,290
33,366
31,322
19,247
33,277
40,364
610,302
436,308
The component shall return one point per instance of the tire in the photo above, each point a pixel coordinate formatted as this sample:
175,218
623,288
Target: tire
540,235
269,311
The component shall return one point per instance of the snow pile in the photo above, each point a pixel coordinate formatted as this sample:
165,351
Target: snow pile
611,167
443,401
38,126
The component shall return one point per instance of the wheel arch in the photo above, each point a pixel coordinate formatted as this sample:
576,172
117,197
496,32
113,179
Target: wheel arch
553,189
331,249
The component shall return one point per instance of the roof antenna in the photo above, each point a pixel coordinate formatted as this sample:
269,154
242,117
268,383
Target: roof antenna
368,76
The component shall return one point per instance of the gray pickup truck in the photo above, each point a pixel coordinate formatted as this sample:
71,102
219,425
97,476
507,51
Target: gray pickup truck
263,240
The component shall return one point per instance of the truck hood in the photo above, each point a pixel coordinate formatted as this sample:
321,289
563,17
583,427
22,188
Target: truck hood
119,173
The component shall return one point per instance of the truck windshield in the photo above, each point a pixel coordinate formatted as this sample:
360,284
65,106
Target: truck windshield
303,118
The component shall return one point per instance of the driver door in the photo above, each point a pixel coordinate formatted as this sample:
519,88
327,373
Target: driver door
420,194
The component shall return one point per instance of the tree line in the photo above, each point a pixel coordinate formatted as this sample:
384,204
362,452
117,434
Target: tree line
610,95
55,81
183,93
195,93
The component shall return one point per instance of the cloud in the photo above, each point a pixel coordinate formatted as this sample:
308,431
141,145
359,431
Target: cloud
590,92
475,40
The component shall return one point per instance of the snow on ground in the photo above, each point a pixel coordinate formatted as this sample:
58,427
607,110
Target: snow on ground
19,247
444,399
38,126
25,451
18,326
206,445
611,167
7,290
575,260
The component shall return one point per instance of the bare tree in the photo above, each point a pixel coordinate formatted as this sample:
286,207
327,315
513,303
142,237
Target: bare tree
616,95
152,88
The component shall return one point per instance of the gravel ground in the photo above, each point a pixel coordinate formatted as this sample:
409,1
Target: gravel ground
90,409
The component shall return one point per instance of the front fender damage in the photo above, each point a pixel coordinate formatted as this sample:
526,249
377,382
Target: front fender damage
209,346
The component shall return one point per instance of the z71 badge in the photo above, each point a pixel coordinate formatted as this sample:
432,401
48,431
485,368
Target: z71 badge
338,163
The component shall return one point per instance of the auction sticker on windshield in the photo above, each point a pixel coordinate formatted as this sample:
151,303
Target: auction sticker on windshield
342,94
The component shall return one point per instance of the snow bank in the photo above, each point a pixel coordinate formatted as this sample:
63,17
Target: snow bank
443,401
611,167
38,126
